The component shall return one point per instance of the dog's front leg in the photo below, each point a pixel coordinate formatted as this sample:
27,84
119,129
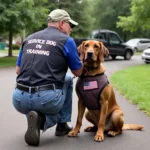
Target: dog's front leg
81,110
101,124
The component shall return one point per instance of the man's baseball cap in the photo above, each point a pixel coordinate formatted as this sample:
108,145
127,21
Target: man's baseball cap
61,15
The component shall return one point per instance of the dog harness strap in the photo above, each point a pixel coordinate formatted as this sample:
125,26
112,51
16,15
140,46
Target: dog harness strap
90,89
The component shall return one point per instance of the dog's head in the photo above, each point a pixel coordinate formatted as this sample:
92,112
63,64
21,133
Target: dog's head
92,51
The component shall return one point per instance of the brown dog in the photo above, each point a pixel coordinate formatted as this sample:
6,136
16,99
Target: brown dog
104,112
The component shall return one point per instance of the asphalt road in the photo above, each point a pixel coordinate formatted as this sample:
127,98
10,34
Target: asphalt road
13,124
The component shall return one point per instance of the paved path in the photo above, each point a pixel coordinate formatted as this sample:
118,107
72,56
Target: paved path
3,54
13,124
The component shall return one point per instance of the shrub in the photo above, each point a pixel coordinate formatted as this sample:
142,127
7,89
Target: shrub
15,47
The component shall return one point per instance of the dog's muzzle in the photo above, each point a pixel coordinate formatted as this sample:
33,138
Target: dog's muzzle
89,55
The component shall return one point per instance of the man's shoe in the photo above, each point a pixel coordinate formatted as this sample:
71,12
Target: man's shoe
32,135
62,129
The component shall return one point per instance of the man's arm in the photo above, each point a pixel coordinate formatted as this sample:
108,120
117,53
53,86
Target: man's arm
18,63
78,72
71,53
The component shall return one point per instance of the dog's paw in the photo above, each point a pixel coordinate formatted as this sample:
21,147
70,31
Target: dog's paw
73,133
113,133
99,138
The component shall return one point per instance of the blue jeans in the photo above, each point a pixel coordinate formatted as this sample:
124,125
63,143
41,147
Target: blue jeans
56,104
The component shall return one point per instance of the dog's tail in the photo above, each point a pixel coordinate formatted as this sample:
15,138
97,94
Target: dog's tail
132,127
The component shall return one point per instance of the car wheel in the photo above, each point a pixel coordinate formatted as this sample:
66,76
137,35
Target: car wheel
113,57
127,55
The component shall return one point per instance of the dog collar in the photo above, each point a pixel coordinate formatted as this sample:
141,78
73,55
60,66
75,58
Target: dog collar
88,70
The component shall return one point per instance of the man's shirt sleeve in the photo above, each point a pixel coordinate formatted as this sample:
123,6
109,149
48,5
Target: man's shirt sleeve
18,63
70,51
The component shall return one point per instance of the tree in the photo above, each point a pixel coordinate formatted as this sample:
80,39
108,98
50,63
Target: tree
107,12
17,15
139,18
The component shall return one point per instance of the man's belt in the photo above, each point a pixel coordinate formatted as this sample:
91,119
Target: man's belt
33,89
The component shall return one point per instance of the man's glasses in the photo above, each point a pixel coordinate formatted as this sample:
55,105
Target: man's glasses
70,24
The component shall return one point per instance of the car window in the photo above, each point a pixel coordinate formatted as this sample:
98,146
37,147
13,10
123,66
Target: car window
144,41
94,34
99,36
141,42
113,39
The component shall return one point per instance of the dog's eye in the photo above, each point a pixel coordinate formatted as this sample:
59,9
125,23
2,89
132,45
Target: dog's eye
96,46
86,45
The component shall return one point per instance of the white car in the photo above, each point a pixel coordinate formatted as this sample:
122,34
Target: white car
139,44
146,56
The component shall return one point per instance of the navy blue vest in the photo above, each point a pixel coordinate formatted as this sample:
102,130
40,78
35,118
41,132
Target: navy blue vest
43,61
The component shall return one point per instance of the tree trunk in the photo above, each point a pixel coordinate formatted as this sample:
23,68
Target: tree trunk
10,43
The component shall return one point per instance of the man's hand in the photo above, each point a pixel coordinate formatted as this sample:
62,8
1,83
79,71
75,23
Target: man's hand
17,70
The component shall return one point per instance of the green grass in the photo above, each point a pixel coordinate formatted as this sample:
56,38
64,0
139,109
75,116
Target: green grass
7,62
134,84
138,53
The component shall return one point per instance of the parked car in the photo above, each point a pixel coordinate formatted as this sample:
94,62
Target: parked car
139,44
146,56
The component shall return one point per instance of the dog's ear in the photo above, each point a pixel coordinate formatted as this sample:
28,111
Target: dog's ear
81,50
103,52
